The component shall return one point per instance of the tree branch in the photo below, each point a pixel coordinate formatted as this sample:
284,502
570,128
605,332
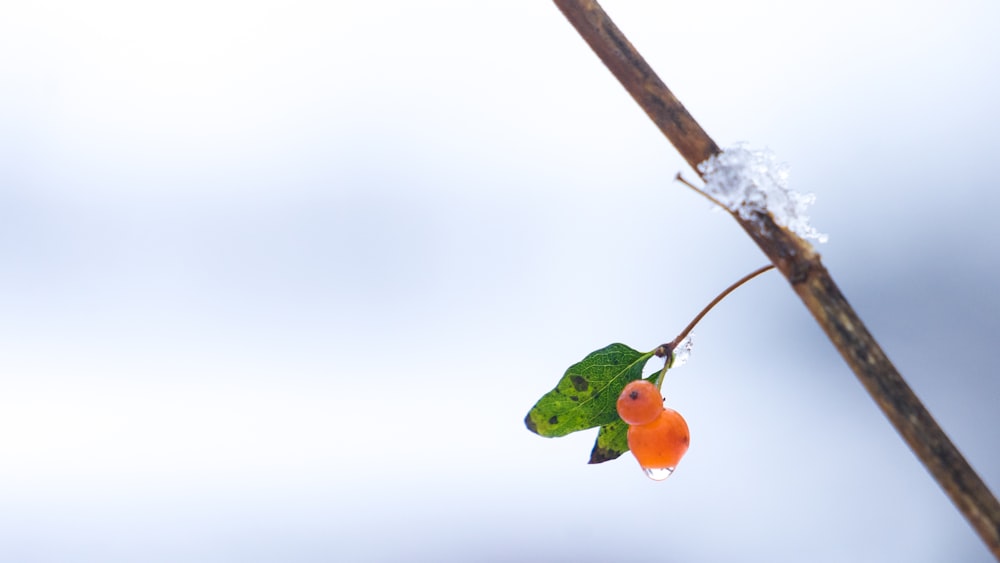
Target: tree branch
801,265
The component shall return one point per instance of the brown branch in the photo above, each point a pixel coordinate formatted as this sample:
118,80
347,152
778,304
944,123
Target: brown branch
801,265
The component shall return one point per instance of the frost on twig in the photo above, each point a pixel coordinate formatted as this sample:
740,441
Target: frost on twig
682,352
748,181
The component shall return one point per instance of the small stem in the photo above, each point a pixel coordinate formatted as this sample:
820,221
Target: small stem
702,193
663,372
673,344
666,351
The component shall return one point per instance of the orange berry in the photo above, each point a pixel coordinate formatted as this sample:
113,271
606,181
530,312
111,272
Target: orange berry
640,402
660,444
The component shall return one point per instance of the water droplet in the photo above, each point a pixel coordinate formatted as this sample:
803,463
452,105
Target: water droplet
658,473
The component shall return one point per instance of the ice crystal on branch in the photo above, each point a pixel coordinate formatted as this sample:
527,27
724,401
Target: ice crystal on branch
746,181
682,352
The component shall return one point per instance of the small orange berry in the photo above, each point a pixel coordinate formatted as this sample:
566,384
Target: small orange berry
640,402
660,444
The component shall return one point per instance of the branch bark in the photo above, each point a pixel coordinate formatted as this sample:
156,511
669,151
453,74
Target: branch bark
802,267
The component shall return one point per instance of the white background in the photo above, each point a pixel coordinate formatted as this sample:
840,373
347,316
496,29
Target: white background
279,281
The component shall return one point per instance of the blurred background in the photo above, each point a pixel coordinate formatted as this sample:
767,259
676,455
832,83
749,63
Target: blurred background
279,281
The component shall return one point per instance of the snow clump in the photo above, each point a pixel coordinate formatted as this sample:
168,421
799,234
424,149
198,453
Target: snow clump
747,181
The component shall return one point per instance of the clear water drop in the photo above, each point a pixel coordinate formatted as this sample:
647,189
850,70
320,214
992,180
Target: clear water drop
658,473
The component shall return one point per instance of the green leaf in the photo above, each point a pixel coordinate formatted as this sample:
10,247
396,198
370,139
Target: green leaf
612,442
585,396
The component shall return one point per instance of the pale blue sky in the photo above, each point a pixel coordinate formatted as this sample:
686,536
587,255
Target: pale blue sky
279,281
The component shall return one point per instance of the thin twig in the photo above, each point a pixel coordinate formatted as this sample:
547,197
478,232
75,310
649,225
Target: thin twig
687,330
680,178
667,350
801,265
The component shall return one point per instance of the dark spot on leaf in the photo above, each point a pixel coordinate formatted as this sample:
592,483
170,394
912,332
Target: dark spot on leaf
530,424
554,420
574,398
579,383
600,455
611,443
